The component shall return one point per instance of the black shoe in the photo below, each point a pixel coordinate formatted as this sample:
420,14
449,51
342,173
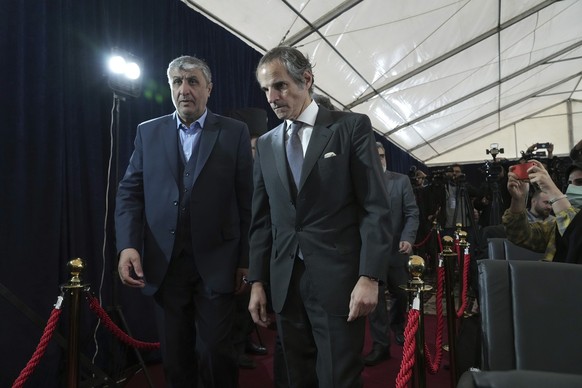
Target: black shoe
252,348
246,362
399,339
377,355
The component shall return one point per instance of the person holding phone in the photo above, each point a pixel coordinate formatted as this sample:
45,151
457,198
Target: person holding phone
557,239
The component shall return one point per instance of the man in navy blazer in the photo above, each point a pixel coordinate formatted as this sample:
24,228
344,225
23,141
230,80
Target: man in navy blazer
320,244
182,221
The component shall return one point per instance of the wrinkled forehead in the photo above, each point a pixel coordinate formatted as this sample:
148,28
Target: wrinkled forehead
185,71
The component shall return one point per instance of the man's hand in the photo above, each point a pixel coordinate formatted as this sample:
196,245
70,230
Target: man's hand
258,305
405,248
518,190
130,260
539,175
364,298
240,284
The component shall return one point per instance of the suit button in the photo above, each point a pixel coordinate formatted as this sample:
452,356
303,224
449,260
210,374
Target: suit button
187,174
172,232
298,229
175,203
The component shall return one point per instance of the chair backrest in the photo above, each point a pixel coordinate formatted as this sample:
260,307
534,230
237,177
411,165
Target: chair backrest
531,315
503,249
496,248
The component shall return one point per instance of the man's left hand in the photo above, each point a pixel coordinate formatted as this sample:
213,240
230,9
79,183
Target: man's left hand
364,298
405,248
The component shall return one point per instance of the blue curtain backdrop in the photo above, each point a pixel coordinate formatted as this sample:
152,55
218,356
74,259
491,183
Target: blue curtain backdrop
56,146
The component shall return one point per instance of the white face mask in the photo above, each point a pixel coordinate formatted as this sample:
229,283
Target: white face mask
574,194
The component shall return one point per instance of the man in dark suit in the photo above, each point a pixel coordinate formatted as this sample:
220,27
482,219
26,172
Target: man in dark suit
320,227
184,207
404,223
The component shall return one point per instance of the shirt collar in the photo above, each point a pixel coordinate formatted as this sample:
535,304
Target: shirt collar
308,116
201,120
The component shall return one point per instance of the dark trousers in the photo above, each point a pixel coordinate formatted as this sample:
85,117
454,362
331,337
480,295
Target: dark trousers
243,324
195,326
380,319
321,350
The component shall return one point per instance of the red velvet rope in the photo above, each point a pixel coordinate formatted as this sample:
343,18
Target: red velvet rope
466,262
405,372
440,241
425,240
115,330
434,366
40,349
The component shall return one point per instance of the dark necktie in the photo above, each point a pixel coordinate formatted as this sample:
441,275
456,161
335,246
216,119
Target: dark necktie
295,152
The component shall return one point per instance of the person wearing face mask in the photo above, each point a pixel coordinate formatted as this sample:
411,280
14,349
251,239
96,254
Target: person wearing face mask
558,238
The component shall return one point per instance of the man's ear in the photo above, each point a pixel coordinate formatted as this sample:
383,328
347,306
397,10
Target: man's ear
308,77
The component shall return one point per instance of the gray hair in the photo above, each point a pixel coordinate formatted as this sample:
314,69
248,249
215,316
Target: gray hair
294,62
322,100
188,63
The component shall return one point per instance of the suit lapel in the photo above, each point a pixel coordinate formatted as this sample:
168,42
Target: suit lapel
170,141
389,182
208,137
319,138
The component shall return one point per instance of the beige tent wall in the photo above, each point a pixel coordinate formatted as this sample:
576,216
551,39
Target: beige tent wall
551,125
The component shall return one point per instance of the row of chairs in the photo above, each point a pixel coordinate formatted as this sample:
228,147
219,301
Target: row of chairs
531,321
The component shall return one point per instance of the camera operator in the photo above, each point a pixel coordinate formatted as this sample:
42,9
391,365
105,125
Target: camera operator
452,200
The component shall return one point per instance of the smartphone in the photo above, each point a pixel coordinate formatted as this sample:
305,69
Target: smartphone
521,170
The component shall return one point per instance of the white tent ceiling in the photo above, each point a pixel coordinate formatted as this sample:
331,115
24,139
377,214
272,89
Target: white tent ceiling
439,78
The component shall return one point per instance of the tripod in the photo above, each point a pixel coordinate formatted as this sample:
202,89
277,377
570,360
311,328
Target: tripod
464,210
496,201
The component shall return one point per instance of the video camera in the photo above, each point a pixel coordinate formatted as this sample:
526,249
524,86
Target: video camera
494,150
439,177
537,151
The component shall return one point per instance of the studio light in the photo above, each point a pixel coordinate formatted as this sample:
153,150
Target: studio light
124,73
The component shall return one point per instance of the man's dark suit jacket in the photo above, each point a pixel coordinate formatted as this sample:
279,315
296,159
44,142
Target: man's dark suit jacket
339,218
220,200
404,217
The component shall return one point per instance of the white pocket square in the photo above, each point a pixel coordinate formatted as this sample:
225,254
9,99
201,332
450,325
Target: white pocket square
329,155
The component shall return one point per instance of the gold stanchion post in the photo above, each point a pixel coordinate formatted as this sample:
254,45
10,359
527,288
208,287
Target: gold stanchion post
415,288
73,290
449,256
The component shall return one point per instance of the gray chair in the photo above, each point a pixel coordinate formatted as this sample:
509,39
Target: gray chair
503,249
531,325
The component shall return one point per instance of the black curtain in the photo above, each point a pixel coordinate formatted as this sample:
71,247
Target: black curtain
56,148
57,163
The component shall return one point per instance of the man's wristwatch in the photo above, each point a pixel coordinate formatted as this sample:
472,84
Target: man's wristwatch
250,282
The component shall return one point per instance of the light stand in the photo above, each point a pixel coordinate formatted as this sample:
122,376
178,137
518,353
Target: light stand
492,178
125,83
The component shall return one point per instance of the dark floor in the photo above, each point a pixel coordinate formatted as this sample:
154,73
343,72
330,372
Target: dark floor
382,375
